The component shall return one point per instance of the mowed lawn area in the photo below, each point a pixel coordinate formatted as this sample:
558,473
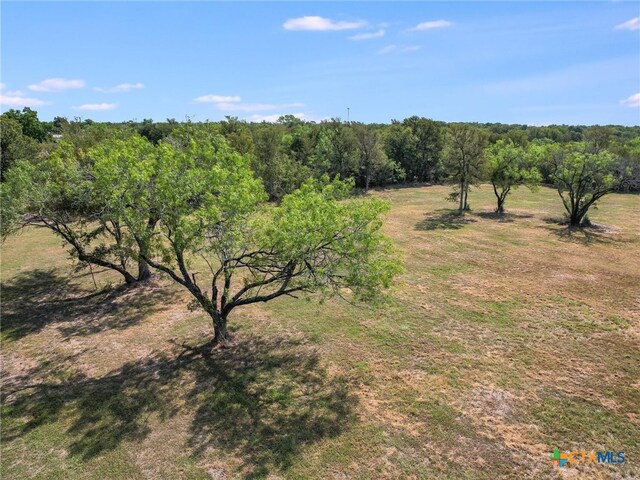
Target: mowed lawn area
505,338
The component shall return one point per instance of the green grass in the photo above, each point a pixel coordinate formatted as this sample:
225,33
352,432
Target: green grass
506,337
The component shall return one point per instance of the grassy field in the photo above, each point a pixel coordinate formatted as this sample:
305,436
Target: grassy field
505,338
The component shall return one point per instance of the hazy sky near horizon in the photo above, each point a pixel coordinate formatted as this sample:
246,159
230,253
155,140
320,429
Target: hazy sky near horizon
519,62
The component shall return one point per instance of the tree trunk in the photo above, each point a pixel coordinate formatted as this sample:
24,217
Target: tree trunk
464,205
220,332
144,272
575,220
128,278
462,200
501,198
466,196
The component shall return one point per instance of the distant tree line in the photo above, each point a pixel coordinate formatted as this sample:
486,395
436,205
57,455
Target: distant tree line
416,150
285,153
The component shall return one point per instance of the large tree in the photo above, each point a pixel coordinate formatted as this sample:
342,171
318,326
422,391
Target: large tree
464,156
336,151
427,148
416,145
399,145
509,167
212,214
279,173
372,161
14,144
31,126
583,177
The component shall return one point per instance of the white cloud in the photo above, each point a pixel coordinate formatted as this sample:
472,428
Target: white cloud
56,85
255,107
633,101
431,25
97,106
633,24
595,74
387,49
576,107
123,87
398,49
233,103
368,36
217,99
17,99
320,24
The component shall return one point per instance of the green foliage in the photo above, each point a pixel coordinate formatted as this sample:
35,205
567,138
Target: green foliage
335,242
13,194
632,148
156,131
510,166
464,160
237,134
57,187
336,151
399,147
86,134
279,173
14,144
373,164
428,144
598,138
416,145
207,204
31,126
60,193
582,177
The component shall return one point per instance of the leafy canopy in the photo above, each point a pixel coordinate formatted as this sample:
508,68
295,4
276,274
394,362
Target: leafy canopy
583,176
209,206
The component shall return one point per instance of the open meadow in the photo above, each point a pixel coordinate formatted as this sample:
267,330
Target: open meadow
505,337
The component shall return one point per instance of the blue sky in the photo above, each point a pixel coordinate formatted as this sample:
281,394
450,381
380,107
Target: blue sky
536,63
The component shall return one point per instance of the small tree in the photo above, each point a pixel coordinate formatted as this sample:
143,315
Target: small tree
464,157
211,208
582,178
509,167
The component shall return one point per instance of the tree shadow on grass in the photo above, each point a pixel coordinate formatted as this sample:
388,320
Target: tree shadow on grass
261,400
586,235
505,217
444,219
37,298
